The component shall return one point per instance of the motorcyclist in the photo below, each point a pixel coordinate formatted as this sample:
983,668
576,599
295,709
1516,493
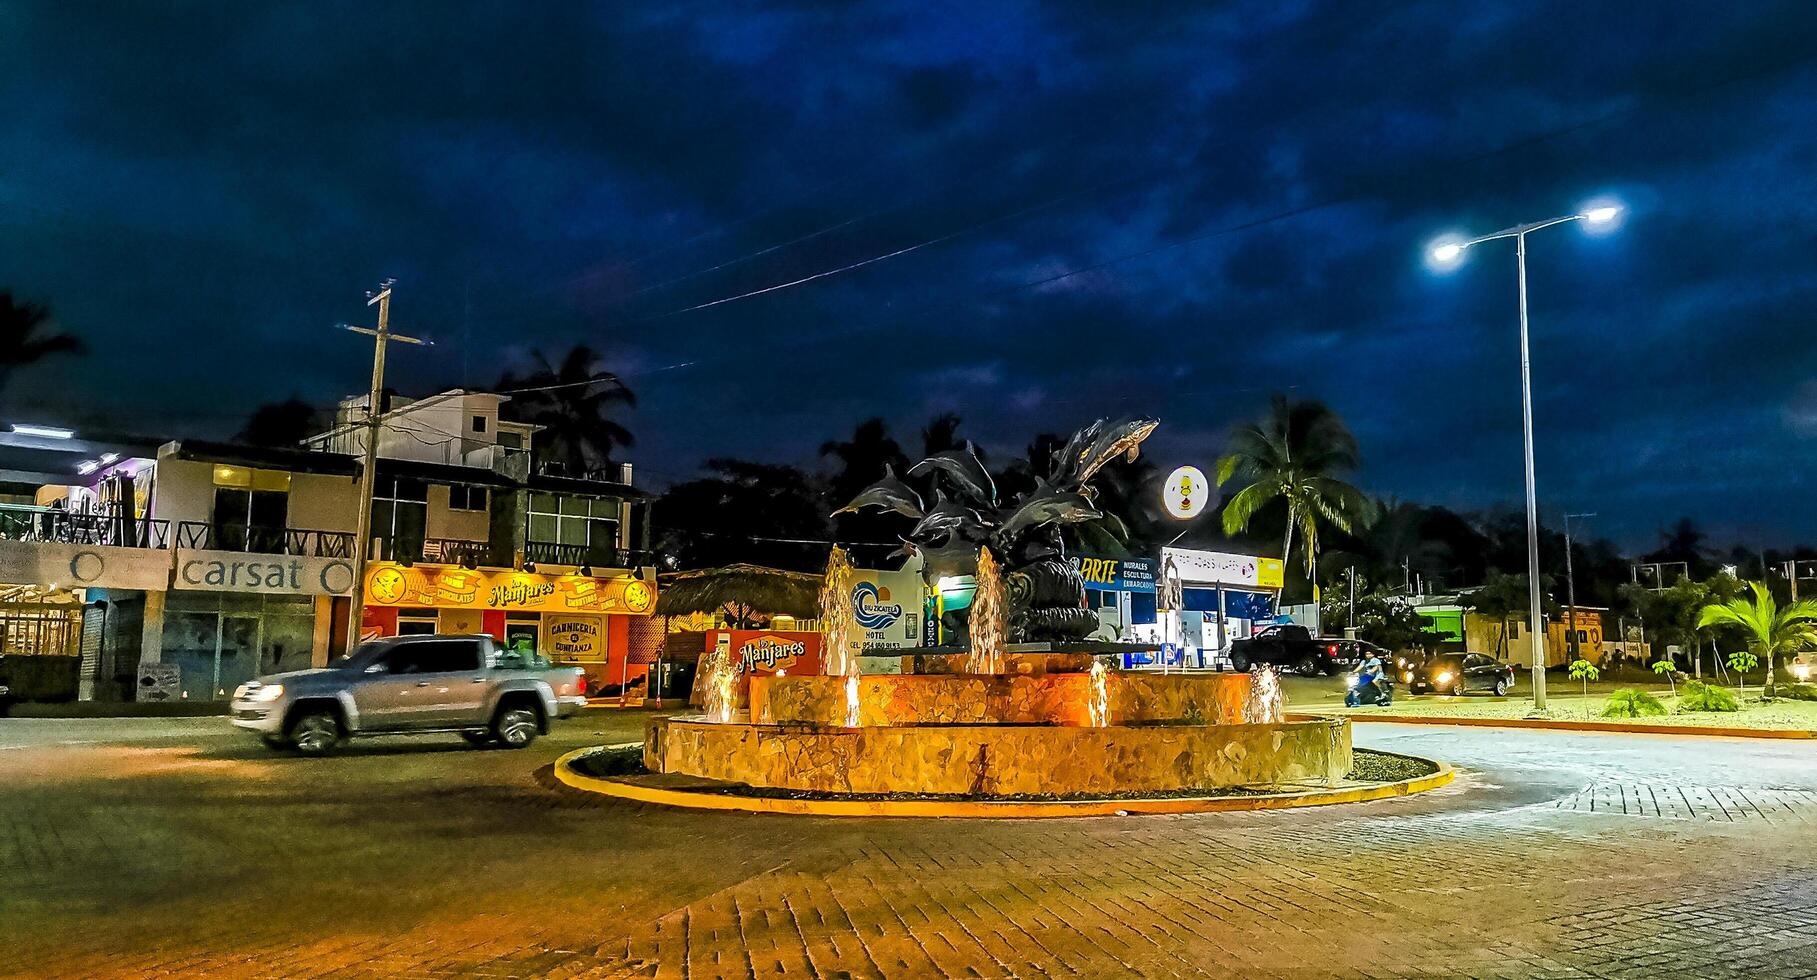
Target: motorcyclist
1368,684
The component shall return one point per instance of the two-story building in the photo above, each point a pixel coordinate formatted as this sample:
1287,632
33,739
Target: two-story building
219,562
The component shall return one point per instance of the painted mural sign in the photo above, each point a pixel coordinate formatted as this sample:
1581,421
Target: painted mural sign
54,565
1117,574
574,639
391,584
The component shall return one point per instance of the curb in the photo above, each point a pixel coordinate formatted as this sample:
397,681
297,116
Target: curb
565,773
1603,727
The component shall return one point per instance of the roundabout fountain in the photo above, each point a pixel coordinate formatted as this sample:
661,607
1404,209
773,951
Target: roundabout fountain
1023,711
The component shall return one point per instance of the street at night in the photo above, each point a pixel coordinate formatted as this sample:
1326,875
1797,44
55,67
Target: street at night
139,847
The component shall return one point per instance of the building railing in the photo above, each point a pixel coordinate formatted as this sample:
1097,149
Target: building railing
301,542
595,555
60,527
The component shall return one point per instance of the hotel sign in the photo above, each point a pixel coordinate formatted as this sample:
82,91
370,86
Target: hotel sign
391,584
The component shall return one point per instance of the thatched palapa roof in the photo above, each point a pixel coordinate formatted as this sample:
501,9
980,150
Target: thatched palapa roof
767,590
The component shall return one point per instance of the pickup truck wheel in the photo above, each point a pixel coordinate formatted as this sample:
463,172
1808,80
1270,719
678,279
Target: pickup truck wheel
314,732
1307,665
1239,663
515,726
477,738
274,742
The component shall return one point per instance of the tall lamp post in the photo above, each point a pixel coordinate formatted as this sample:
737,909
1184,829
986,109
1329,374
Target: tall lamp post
1448,254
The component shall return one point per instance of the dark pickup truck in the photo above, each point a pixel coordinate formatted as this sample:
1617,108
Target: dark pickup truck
1294,648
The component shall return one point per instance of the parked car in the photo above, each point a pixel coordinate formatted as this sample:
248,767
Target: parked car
1293,647
409,685
1458,673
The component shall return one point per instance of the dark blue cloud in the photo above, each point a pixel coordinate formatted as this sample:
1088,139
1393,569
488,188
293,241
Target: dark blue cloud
1160,208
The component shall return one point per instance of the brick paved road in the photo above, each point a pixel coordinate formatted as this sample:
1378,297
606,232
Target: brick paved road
158,847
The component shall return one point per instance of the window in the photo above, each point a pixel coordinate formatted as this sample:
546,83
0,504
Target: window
573,520
1513,629
463,496
400,512
250,520
433,657
479,423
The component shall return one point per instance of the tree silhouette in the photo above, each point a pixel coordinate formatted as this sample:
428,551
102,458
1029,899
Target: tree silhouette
570,400
26,336
281,424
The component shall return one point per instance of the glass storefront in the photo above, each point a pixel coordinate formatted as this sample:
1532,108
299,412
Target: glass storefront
220,640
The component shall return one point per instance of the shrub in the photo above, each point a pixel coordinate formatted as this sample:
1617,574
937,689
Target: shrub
1631,703
1699,696
1799,692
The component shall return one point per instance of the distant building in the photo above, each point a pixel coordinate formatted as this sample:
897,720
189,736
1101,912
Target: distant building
183,569
1511,641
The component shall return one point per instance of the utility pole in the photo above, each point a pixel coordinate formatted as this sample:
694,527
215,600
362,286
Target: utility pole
1350,629
1571,592
362,542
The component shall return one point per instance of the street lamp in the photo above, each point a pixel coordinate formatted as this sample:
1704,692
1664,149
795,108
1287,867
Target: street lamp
1449,253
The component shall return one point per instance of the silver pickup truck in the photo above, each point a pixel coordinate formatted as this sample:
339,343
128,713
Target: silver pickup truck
408,685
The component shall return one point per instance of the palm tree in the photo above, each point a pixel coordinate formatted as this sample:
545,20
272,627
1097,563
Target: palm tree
1770,628
24,336
1295,455
570,401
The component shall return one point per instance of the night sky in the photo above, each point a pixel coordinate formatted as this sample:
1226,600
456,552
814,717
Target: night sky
1100,209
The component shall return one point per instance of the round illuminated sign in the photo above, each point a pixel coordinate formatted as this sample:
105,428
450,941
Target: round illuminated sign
1186,492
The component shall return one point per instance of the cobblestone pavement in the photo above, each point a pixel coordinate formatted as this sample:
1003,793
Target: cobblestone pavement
172,847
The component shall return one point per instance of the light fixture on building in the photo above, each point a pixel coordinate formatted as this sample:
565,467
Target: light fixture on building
469,562
87,466
110,458
42,431
530,567
586,571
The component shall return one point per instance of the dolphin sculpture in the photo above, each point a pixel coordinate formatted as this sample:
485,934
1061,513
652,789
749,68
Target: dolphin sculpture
941,561
1070,460
963,470
1122,439
888,493
946,516
1055,506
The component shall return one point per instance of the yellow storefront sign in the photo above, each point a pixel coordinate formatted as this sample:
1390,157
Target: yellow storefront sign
391,584
574,639
1270,573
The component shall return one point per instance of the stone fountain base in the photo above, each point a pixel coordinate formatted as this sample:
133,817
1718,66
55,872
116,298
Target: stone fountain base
1001,760
1001,736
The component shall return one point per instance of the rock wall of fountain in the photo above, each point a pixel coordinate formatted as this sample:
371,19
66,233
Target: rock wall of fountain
1002,760
886,700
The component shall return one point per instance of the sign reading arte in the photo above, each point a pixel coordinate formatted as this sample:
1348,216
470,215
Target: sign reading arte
1219,568
390,584
1117,574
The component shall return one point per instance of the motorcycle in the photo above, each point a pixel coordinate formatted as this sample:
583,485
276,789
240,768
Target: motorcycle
1378,692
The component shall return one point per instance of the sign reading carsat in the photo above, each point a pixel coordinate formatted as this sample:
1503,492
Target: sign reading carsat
238,571
1219,568
391,584
1117,574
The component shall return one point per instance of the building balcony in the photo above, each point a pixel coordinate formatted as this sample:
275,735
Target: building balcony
300,542
594,555
46,524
